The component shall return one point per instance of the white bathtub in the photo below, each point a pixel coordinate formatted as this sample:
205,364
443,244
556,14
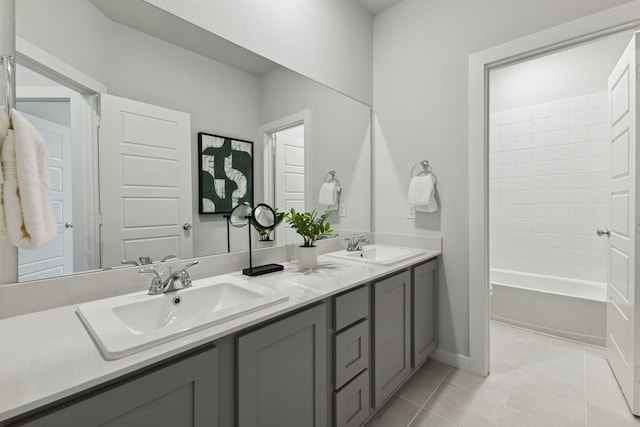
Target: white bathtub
568,308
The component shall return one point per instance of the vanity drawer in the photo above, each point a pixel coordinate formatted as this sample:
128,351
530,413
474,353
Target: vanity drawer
352,352
351,307
352,402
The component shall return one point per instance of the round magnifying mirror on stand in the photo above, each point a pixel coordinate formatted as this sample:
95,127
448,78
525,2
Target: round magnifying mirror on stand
240,215
265,217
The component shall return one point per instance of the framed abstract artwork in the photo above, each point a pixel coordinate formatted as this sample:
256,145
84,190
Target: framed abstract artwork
226,173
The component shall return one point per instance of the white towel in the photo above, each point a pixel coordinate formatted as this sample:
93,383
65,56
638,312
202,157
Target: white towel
4,130
422,193
27,187
329,195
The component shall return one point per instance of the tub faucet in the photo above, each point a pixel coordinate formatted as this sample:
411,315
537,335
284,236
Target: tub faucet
177,280
356,243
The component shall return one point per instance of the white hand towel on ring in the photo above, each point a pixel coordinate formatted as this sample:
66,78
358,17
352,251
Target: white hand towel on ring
422,193
329,196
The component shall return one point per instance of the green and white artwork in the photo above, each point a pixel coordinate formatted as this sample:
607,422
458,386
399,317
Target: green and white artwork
226,173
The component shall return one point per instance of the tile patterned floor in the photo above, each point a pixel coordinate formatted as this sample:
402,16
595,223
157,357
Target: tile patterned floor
536,380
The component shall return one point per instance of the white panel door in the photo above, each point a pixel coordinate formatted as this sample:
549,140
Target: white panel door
56,257
145,181
621,285
289,177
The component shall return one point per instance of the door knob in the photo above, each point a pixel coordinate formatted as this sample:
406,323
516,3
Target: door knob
68,225
186,226
601,232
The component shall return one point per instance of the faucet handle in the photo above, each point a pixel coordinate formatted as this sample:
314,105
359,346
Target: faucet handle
132,262
144,260
156,282
168,257
188,266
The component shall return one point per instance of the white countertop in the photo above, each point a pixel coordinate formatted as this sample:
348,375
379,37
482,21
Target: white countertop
48,355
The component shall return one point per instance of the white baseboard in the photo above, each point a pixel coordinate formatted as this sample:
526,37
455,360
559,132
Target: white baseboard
450,358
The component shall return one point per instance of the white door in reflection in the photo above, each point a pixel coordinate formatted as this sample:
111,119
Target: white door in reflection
289,176
55,258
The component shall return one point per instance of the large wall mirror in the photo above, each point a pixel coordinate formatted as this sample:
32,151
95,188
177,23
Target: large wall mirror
120,91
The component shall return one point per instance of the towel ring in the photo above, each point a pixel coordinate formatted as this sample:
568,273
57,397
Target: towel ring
426,170
331,177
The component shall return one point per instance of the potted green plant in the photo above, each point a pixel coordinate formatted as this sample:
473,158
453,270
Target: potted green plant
266,234
311,228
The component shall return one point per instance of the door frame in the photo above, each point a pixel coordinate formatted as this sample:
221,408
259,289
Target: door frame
589,28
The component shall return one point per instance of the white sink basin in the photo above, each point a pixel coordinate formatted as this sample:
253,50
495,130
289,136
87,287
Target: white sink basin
378,254
126,324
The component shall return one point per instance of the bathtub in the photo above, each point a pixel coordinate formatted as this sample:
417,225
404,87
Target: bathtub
568,308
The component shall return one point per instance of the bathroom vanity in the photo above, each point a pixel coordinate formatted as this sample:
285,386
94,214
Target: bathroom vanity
347,338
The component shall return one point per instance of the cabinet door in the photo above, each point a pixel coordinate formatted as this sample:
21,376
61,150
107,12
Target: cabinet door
282,372
183,393
425,280
392,334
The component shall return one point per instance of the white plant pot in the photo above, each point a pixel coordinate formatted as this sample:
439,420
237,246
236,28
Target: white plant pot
307,256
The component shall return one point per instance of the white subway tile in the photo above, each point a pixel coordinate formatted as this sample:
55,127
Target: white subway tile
523,183
506,144
508,184
599,132
540,196
600,211
597,259
598,274
580,149
580,197
579,181
523,142
559,137
598,117
523,169
579,134
580,226
579,242
494,132
559,107
558,269
559,122
539,111
577,257
599,196
558,182
599,180
494,119
579,165
579,103
598,100
507,131
540,125
599,164
524,114
580,211
580,119
506,157
523,128
599,148
579,272
540,140
557,197
507,117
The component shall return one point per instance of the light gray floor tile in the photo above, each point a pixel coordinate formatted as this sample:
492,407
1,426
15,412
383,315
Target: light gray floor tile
464,407
429,419
513,417
397,412
545,347
563,375
600,417
496,386
435,368
546,406
420,387
507,338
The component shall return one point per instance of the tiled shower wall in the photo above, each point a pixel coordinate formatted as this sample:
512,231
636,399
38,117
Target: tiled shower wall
549,171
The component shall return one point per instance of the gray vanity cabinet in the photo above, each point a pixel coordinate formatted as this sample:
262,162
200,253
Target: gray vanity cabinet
282,372
181,393
423,322
392,334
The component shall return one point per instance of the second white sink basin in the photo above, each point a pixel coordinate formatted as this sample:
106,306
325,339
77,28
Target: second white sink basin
379,254
126,324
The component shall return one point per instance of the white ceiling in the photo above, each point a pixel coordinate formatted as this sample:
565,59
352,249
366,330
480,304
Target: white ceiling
376,6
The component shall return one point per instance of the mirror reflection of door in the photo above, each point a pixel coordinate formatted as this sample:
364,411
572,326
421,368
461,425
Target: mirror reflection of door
55,257
289,176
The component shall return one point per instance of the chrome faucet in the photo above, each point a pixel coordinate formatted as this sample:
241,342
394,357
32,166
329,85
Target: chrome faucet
356,243
177,280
